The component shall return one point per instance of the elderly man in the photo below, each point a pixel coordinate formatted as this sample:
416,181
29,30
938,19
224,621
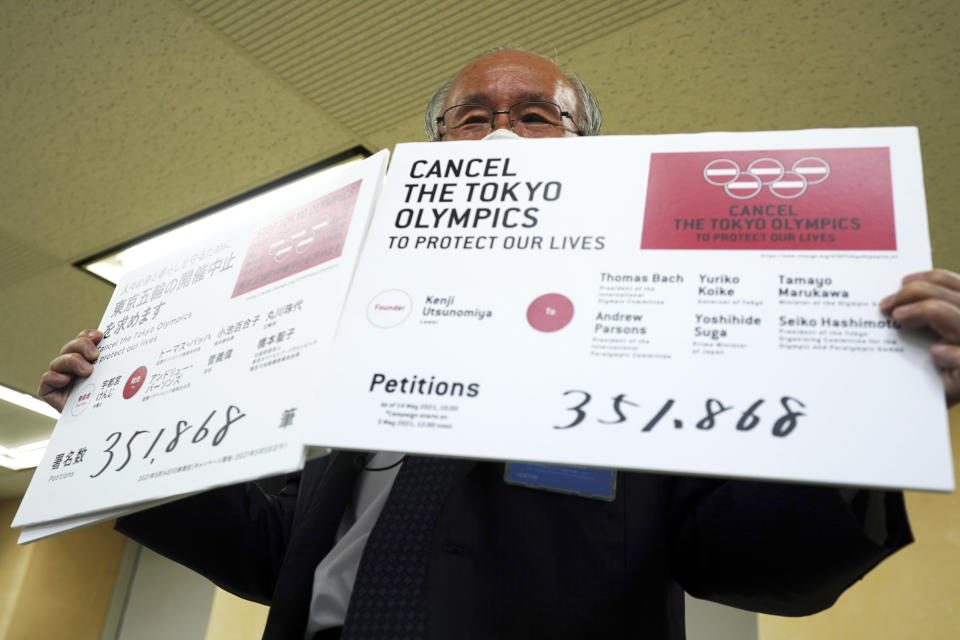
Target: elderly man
447,549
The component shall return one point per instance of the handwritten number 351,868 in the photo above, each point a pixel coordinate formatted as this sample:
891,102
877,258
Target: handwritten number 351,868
782,427
233,414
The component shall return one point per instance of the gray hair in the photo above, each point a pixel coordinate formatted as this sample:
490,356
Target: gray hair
589,119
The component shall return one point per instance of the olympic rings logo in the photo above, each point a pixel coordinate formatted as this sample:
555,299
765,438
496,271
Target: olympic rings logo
296,243
766,172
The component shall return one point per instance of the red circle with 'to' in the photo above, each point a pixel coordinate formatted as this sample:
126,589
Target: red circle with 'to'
550,312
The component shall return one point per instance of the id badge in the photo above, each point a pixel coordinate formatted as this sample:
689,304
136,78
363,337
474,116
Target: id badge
588,482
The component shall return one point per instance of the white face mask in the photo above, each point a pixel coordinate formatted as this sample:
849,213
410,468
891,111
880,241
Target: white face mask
502,134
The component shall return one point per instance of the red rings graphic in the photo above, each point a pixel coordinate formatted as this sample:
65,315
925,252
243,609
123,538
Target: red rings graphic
766,172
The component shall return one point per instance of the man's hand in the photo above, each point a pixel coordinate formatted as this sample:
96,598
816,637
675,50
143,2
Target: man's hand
73,362
931,300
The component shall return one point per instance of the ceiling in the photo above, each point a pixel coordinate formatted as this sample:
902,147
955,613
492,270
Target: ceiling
122,116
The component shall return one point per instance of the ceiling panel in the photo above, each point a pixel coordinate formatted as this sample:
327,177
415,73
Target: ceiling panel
122,116
19,261
370,63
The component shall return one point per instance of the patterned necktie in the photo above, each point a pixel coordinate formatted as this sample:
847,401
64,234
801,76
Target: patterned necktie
389,595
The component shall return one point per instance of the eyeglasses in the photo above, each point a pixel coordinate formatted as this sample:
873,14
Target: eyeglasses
530,119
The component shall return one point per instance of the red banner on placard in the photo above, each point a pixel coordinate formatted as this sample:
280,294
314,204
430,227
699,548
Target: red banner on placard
806,199
309,235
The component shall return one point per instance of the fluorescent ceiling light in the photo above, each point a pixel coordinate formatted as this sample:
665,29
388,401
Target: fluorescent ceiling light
27,456
114,266
114,263
27,402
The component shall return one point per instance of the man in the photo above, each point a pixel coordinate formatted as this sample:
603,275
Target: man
477,558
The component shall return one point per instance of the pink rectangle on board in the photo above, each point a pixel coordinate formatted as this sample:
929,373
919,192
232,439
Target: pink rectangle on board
311,234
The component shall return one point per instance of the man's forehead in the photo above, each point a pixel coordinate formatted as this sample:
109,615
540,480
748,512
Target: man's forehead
482,97
510,75
517,57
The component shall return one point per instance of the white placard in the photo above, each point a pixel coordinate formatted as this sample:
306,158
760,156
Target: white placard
702,304
209,354
32,533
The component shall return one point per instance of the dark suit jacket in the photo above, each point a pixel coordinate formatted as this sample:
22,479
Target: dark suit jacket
513,562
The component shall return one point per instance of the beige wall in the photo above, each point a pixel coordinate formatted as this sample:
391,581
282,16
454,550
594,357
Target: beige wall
14,561
163,600
56,588
914,594
232,618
